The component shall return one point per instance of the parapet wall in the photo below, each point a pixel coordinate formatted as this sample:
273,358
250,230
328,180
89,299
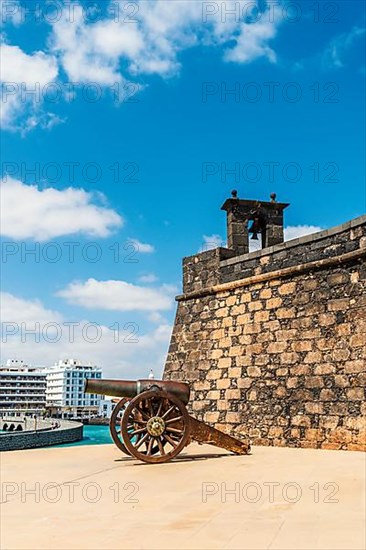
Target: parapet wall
67,432
273,343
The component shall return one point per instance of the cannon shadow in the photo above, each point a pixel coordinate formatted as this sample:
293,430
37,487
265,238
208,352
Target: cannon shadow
180,458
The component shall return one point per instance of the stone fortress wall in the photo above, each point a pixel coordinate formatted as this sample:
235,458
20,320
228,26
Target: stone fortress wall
273,342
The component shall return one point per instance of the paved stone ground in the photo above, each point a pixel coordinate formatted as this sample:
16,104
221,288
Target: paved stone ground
318,502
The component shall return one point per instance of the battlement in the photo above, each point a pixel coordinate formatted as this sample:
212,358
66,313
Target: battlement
222,265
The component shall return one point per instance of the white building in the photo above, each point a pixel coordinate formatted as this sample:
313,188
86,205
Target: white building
65,389
106,407
22,389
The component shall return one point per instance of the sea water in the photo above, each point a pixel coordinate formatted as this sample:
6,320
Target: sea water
92,435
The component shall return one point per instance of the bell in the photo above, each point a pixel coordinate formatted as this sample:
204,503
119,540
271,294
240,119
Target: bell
255,229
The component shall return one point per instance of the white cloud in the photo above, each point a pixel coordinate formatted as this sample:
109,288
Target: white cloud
338,48
212,241
252,43
148,278
23,80
18,310
296,231
121,348
30,213
153,41
143,248
118,296
114,50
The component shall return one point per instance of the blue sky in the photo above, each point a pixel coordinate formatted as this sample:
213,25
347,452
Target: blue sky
153,171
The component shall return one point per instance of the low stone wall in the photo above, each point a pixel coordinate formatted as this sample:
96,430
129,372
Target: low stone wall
68,432
276,351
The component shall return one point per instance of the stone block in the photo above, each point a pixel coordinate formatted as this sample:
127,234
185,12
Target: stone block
265,294
277,347
339,304
313,357
232,394
233,417
286,313
351,367
301,345
355,394
324,368
223,384
254,372
273,303
301,420
238,310
287,288
327,395
213,374
261,316
213,394
314,407
211,417
234,372
314,382
341,355
224,362
216,353
255,306
292,382
330,422
245,383
289,358
326,319
231,300
222,312
246,297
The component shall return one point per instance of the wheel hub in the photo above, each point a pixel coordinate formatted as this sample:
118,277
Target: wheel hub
155,426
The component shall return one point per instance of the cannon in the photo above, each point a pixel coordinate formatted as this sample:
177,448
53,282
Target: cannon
150,421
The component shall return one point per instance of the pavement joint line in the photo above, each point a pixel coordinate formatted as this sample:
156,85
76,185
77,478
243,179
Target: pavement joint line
14,497
275,536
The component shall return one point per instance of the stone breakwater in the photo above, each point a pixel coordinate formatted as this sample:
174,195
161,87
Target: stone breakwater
44,436
273,343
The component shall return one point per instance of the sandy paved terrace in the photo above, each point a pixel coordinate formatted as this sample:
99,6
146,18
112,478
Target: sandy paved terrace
182,504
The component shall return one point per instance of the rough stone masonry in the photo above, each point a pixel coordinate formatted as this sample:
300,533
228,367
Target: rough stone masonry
273,342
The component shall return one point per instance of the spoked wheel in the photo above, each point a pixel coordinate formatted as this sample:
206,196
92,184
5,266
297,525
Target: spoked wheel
115,424
163,426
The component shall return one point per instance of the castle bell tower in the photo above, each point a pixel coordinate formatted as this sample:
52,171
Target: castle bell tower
251,217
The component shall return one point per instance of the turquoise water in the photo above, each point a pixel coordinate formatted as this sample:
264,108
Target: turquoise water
93,435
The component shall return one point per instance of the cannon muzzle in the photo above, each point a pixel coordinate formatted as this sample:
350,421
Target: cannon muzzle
131,388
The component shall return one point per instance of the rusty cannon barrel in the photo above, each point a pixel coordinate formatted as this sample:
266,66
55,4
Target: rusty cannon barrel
131,388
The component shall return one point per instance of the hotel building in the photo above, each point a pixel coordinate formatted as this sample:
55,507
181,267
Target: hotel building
56,390
65,389
22,389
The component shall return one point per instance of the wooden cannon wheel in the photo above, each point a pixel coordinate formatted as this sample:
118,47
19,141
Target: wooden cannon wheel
115,424
162,421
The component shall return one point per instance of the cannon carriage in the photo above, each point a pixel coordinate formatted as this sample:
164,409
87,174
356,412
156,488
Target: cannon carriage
150,422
